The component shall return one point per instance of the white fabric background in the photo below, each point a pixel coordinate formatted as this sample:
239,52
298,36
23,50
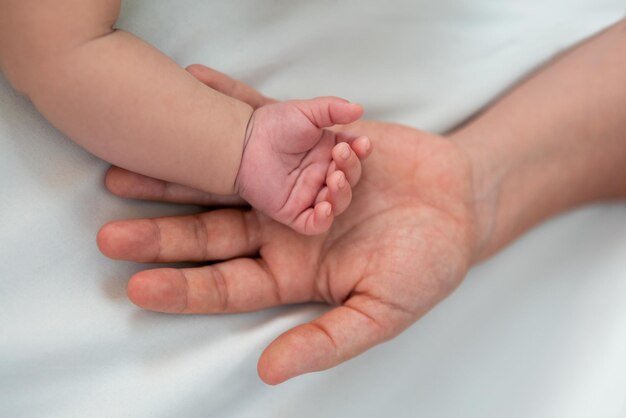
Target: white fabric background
538,331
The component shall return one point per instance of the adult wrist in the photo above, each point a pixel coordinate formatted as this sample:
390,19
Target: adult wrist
487,178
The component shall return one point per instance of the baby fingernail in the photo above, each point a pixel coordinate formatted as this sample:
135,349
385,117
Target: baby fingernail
342,181
345,152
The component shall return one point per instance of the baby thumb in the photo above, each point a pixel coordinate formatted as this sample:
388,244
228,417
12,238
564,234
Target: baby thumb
325,112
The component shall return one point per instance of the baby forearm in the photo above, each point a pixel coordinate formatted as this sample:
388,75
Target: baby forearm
131,105
556,141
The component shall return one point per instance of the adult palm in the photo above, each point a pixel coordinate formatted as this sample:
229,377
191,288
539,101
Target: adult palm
404,244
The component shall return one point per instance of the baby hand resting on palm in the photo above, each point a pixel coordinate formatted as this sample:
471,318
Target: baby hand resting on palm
295,170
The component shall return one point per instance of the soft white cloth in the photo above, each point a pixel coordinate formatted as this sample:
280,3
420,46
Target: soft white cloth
538,331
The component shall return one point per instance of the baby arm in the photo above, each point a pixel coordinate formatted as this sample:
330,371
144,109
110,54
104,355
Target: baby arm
117,96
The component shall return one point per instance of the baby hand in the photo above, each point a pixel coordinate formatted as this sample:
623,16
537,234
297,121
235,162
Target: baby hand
294,170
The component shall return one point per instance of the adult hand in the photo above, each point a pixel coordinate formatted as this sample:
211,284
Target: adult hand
403,245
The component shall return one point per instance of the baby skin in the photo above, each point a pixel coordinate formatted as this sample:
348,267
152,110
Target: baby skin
131,105
293,169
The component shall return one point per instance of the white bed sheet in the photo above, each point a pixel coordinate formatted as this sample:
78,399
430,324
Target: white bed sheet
538,331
